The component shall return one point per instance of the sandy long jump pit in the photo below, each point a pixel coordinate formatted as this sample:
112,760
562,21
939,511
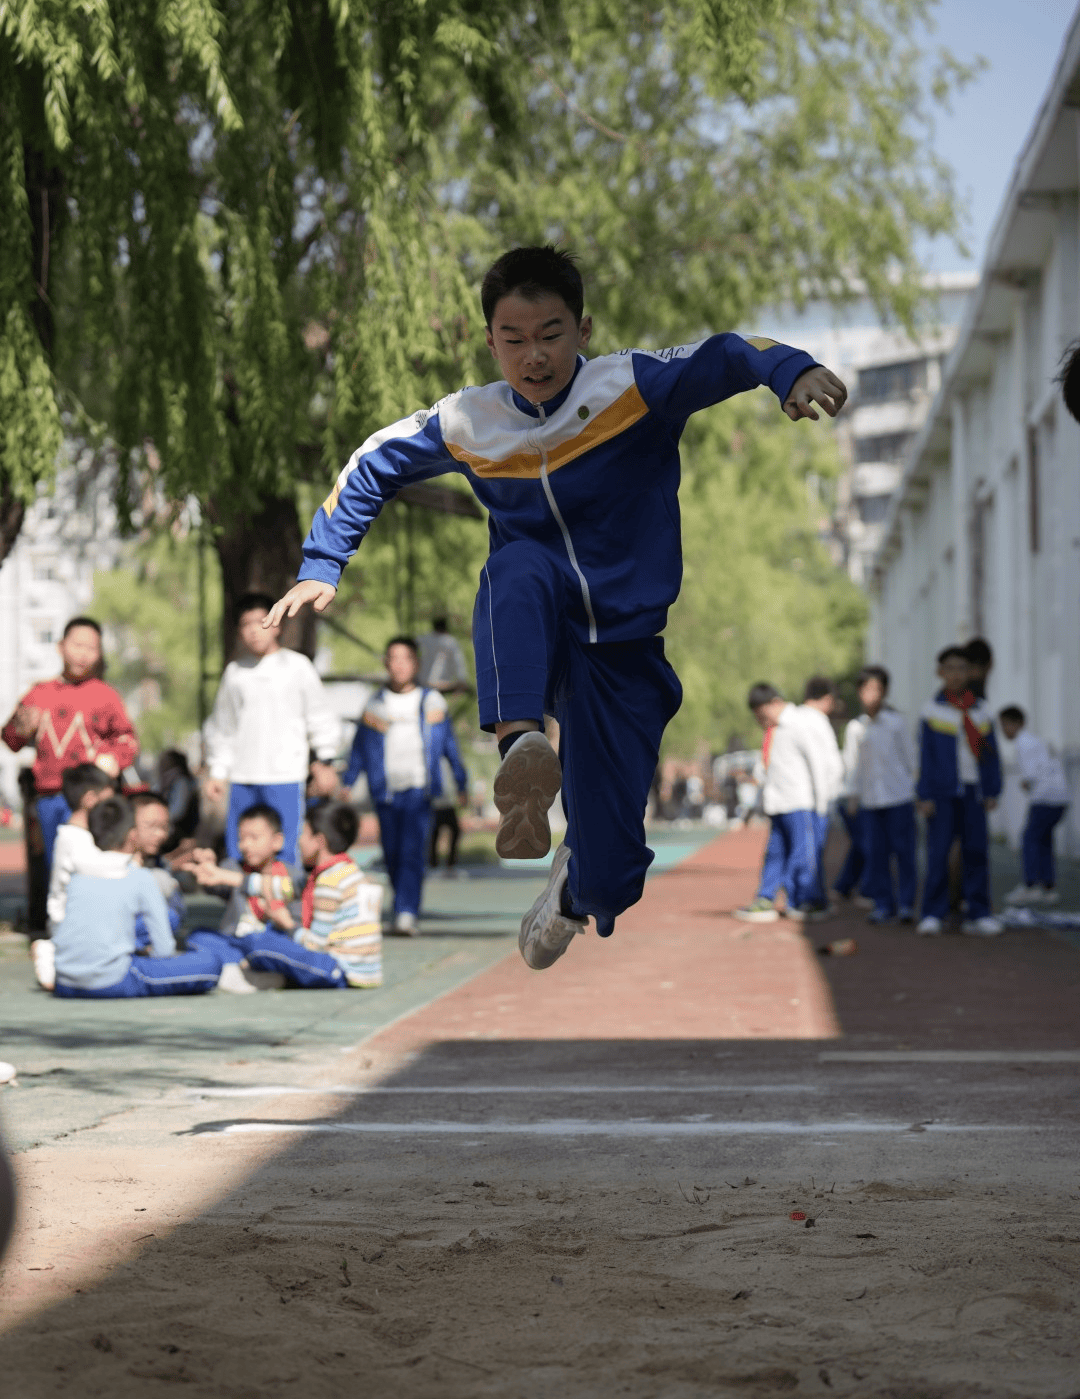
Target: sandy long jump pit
685,1162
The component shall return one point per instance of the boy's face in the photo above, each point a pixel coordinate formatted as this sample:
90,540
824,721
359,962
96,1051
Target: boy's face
954,672
767,714
1010,728
91,799
254,637
871,695
401,663
258,841
151,828
80,651
536,344
311,846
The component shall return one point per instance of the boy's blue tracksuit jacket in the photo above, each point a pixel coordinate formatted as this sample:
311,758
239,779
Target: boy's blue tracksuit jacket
592,475
941,728
369,747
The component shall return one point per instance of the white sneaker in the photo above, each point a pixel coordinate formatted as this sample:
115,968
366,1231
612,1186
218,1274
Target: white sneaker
930,927
43,956
239,980
1023,894
1048,897
986,927
405,926
546,932
7,1072
527,782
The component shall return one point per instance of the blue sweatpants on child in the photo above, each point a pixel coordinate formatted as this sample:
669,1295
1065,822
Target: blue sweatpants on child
890,831
791,859
189,973
612,701
271,951
963,816
404,828
1038,846
287,799
52,812
850,878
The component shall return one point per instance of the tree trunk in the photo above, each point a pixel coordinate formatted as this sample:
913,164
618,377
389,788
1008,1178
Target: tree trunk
261,552
12,511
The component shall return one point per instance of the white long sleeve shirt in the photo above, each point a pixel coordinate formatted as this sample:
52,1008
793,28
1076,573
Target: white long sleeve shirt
1040,770
269,712
886,768
825,759
853,737
793,778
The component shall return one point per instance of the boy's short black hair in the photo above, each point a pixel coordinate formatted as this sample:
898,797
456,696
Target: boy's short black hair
439,623
261,811
409,641
978,652
337,821
76,781
81,622
110,821
817,687
172,760
1012,714
873,672
949,652
533,273
249,602
762,693
141,799
1069,378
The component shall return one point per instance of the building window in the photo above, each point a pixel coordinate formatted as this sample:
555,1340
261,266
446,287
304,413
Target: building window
1034,522
44,571
885,383
873,509
887,447
44,633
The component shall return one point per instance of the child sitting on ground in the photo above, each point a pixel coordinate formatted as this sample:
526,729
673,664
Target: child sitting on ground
83,786
1043,779
959,782
341,908
263,911
95,941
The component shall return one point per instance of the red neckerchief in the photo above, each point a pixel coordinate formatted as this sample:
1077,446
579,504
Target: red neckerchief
965,702
261,907
766,743
307,902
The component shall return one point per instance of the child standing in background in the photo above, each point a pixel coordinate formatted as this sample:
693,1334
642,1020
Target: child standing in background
817,707
885,789
1043,779
959,782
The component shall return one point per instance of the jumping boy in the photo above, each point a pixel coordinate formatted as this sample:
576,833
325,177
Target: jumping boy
577,464
270,711
401,739
959,782
1042,777
885,789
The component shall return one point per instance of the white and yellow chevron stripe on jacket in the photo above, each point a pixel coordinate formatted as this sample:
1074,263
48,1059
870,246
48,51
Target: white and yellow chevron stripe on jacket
944,719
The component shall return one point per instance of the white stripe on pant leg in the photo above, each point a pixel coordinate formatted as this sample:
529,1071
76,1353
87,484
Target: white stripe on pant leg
494,662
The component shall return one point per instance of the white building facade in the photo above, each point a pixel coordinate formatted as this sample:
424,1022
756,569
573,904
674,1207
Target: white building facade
983,534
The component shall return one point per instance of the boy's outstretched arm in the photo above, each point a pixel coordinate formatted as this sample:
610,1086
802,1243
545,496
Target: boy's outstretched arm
818,385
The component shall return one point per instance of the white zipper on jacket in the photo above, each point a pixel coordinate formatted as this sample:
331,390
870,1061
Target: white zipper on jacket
585,595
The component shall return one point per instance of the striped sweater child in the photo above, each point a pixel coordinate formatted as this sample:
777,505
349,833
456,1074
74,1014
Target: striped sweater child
342,916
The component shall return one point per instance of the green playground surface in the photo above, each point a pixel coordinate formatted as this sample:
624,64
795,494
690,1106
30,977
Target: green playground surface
82,1062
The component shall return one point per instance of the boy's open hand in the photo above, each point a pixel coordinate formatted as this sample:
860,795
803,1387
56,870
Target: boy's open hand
818,385
26,719
320,595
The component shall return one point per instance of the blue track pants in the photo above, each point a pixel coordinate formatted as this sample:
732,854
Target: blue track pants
189,973
271,951
791,859
850,878
287,799
963,817
890,831
52,812
612,701
1039,844
404,829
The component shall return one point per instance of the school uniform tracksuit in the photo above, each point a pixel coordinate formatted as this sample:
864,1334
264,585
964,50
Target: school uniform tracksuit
585,560
797,782
1048,794
884,782
852,871
405,814
957,783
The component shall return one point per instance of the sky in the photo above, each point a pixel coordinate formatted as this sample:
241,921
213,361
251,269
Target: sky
983,134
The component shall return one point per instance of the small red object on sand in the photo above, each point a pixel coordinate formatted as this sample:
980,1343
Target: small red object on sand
798,1214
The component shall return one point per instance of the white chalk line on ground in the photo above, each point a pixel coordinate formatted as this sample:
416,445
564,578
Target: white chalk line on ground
496,1090
574,1127
950,1056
